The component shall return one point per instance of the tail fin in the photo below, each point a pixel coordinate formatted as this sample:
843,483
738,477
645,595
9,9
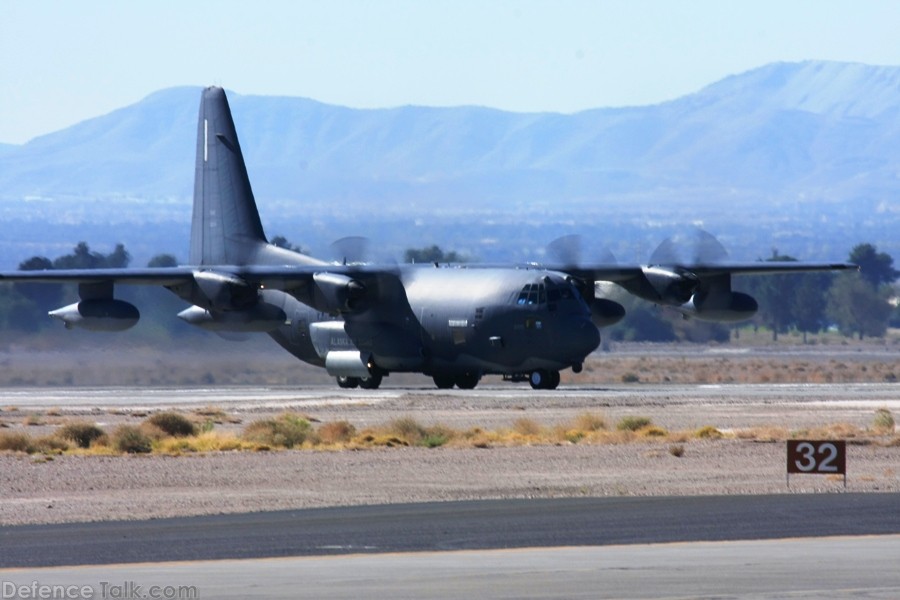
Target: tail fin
226,228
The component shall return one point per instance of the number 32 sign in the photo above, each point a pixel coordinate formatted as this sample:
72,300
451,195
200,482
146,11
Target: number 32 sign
817,457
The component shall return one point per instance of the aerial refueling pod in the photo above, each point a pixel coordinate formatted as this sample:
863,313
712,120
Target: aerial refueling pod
104,314
729,307
349,363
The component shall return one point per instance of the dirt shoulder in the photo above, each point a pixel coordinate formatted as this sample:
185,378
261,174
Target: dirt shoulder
40,489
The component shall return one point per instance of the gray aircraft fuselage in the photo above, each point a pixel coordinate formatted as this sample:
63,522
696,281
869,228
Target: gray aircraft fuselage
452,321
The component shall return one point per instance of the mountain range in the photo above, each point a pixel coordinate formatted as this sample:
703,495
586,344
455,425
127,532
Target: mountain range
781,147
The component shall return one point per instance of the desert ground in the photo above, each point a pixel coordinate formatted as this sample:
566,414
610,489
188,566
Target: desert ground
715,419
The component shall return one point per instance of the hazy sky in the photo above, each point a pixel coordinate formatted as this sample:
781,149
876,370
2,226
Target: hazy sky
65,61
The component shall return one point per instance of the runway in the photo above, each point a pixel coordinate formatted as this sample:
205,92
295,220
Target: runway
811,569
250,398
749,546
445,526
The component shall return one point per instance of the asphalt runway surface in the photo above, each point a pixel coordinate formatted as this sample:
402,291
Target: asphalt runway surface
568,548
448,526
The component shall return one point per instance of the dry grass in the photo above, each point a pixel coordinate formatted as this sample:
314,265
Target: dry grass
336,433
217,416
884,421
210,441
175,434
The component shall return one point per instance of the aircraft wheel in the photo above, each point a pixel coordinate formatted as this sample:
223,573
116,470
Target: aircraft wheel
444,382
347,382
552,380
468,381
372,382
538,379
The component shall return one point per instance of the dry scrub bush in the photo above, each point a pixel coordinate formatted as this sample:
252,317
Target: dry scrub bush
20,442
633,423
50,444
708,432
527,427
14,441
172,424
836,431
652,431
763,434
589,422
884,421
406,431
82,434
131,440
210,441
336,432
287,431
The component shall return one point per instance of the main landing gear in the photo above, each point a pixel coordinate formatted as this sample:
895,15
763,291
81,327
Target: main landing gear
542,379
372,382
464,381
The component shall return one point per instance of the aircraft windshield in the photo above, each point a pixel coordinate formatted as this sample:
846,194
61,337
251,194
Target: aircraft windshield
539,293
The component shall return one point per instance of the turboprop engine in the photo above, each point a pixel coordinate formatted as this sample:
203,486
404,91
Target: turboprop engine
224,302
703,297
104,314
336,293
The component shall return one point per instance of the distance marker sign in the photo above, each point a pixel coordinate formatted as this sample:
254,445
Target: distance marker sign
817,457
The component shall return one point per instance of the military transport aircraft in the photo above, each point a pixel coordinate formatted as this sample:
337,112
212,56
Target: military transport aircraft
362,322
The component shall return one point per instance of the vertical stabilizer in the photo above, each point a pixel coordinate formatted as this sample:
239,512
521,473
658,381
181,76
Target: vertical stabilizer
226,228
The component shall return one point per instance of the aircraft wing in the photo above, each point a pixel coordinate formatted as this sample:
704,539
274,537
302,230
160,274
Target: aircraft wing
697,290
616,273
150,276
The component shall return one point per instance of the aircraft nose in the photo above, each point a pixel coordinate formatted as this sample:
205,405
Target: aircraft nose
582,338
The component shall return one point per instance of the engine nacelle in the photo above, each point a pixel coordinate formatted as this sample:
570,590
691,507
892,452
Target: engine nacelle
720,308
337,293
261,318
223,291
672,287
606,312
106,314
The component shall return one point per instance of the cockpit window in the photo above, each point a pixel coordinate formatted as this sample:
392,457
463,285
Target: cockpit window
532,293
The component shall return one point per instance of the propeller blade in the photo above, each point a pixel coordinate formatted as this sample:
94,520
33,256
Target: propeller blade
351,249
702,247
566,250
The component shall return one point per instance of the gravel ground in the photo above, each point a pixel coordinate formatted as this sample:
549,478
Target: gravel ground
87,488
